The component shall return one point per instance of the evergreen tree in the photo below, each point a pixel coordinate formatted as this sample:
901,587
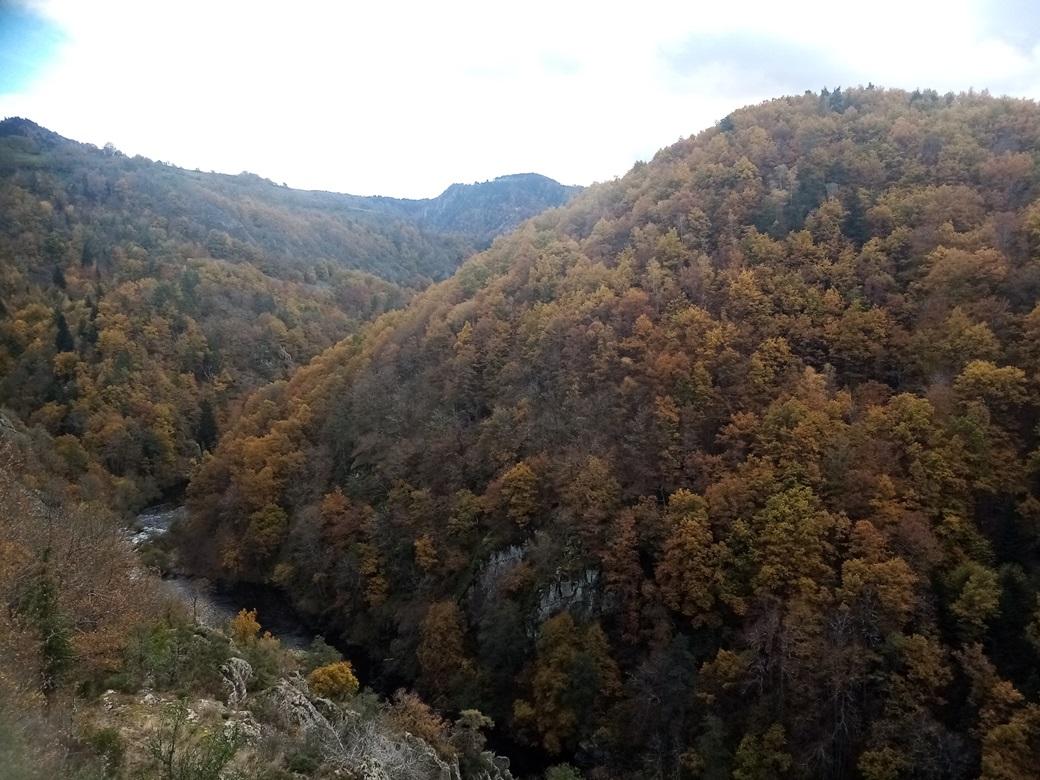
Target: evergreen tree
63,341
39,606
206,433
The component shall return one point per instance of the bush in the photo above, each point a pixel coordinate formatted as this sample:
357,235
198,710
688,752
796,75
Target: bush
334,681
107,744
411,714
171,656
244,627
267,658
320,653
304,761
562,772
182,751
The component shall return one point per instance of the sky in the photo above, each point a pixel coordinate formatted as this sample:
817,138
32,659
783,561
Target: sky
405,98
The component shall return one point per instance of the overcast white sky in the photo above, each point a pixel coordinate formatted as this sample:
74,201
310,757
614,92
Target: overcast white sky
395,98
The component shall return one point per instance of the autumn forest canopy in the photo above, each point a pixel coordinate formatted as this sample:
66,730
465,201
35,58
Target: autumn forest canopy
140,303
728,467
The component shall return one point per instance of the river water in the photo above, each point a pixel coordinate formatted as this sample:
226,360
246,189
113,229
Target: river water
214,606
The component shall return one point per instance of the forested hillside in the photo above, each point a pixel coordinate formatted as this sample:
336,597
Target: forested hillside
728,468
139,302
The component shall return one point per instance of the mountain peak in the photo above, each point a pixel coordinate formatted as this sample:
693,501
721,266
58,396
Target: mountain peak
491,207
20,126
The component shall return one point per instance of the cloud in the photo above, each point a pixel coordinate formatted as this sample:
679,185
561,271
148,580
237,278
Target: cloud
403,98
742,64
560,64
1017,22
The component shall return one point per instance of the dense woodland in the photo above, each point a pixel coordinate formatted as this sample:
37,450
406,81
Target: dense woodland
726,469
140,302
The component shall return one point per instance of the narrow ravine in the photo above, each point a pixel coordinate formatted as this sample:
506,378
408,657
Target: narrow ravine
214,606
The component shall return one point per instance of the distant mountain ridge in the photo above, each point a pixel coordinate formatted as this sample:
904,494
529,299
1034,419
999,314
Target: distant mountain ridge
188,289
486,209
474,212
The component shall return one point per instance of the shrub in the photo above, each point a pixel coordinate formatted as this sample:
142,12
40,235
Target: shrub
171,656
244,627
411,714
183,751
266,657
320,653
562,772
334,681
107,744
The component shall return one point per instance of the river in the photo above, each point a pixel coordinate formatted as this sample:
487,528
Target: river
214,606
